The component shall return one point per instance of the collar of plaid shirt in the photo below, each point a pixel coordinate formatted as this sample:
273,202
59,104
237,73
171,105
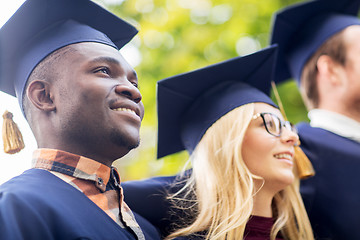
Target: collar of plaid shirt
98,182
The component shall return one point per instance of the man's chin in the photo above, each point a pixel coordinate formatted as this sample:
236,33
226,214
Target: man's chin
133,146
128,142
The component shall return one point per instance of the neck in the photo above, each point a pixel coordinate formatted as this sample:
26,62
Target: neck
49,135
81,152
262,203
350,113
340,103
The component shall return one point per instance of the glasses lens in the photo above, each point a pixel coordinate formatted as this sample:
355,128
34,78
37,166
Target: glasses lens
289,126
272,124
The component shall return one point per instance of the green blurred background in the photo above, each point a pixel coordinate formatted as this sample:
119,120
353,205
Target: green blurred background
176,36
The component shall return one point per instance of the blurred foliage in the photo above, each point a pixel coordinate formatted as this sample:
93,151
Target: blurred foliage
176,36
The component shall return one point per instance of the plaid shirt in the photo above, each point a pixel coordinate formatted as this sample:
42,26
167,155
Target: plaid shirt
98,182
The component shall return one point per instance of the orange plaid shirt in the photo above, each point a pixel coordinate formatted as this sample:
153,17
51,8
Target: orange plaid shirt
98,182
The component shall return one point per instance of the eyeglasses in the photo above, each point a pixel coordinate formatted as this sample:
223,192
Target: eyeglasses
273,124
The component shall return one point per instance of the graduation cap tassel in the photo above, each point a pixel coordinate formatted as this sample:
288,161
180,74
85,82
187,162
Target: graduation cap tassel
12,138
303,164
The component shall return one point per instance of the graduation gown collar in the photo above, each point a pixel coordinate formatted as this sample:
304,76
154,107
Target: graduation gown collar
336,123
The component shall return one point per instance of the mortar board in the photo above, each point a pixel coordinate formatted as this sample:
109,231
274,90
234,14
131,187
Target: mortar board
188,104
40,27
299,30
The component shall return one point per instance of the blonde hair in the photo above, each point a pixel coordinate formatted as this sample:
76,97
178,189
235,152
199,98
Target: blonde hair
223,187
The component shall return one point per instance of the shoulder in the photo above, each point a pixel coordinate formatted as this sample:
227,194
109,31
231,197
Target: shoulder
156,189
158,182
155,184
305,130
149,194
21,206
32,184
39,205
148,198
318,139
27,184
36,191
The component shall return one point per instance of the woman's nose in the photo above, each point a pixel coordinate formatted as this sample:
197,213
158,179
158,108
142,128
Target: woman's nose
289,136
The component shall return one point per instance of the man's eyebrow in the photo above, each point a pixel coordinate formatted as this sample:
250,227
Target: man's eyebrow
110,60
105,59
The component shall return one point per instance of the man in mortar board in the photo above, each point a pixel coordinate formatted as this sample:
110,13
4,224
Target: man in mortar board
61,59
319,46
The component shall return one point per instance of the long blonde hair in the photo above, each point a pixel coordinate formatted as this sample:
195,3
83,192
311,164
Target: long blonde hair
223,187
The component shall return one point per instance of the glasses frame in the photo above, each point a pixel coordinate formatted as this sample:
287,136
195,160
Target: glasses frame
283,124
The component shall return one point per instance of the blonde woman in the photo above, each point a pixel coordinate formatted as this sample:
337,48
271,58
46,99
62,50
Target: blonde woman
243,183
243,179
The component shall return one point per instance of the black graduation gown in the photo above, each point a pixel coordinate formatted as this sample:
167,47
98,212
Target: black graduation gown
332,196
38,205
149,197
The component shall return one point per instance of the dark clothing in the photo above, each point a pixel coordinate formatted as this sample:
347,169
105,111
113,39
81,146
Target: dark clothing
332,196
259,228
100,183
148,197
39,205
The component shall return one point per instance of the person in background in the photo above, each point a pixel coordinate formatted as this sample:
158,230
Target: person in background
61,59
243,183
319,46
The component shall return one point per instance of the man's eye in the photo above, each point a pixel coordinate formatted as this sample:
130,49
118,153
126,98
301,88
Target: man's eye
104,70
135,84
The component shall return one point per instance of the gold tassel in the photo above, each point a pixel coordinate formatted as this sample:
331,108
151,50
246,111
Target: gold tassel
303,164
12,138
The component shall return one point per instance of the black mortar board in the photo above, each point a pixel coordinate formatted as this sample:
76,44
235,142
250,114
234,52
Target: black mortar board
39,27
188,104
299,30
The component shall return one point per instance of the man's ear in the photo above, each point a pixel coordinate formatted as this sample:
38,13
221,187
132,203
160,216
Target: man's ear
40,95
329,70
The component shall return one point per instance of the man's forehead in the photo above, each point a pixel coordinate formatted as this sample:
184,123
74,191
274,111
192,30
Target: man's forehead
93,47
98,53
94,52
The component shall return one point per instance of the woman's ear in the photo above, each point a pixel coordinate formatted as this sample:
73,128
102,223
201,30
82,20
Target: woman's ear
40,95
